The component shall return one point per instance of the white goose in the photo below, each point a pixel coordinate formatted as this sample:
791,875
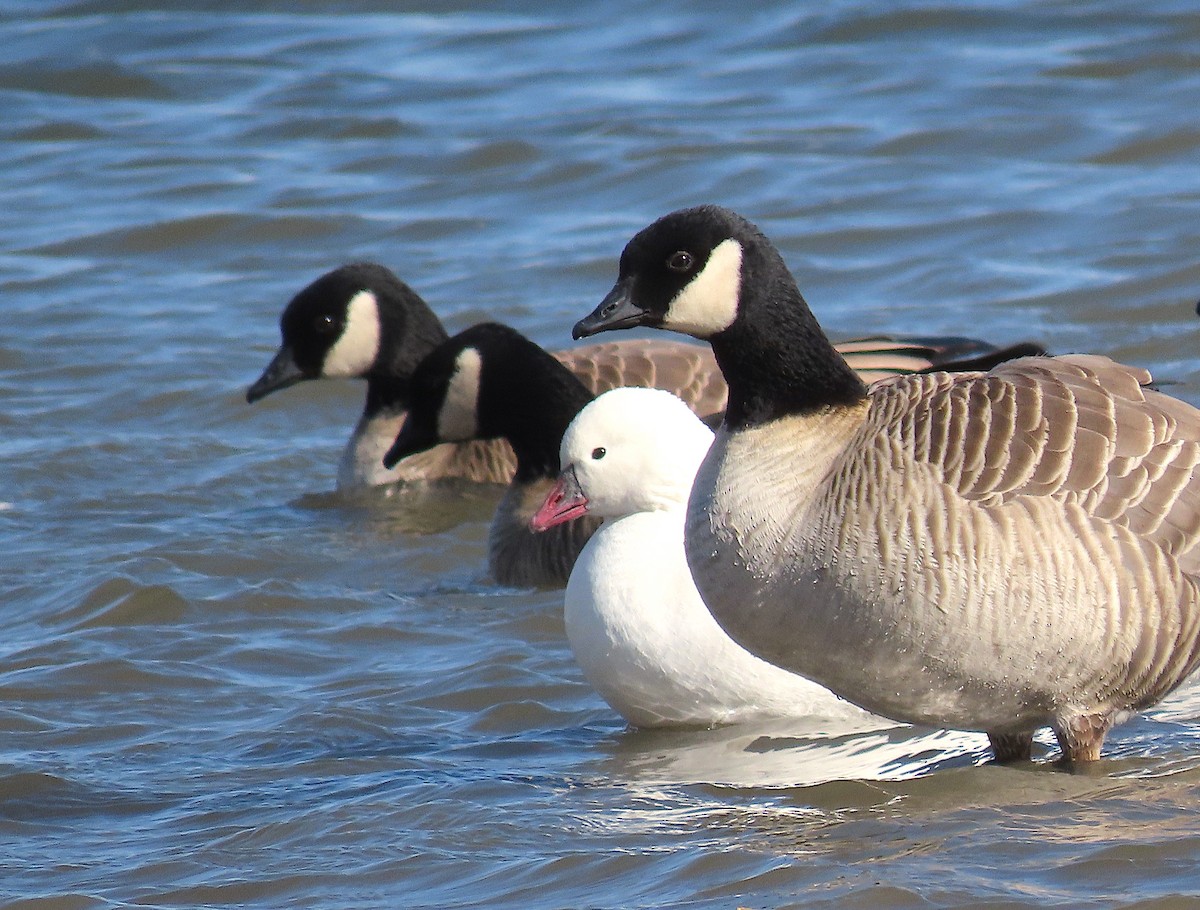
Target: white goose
993,551
636,624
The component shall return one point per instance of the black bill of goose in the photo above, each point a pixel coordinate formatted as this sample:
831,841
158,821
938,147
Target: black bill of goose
995,551
360,321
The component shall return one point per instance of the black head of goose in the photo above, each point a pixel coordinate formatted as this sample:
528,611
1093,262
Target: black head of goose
490,382
995,551
361,321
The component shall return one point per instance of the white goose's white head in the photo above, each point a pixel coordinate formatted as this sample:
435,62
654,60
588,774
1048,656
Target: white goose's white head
634,450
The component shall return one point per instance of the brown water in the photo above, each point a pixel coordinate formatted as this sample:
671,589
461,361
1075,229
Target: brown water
222,684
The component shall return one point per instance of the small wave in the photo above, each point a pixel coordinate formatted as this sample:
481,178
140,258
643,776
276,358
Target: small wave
121,601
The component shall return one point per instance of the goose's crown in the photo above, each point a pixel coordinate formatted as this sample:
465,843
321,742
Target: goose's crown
635,450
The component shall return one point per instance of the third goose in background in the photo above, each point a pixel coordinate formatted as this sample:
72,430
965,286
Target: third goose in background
993,551
491,382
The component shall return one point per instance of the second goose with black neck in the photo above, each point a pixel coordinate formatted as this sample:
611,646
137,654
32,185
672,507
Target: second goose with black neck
491,382
994,551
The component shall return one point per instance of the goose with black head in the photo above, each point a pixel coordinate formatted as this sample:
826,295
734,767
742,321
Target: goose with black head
994,551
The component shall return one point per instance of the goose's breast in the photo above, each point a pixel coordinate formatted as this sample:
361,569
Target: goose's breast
522,557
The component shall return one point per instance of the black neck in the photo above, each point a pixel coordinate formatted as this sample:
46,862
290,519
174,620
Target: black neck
411,332
387,395
770,377
535,426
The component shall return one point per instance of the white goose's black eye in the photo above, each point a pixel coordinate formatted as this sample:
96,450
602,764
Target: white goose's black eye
324,324
680,261
598,453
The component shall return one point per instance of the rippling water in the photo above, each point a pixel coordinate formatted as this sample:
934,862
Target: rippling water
222,684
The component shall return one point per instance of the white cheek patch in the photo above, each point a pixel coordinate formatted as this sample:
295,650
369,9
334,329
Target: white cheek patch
458,420
356,349
708,303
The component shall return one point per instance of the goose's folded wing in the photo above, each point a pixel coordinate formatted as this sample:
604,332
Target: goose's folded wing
688,370
691,372
879,357
476,460
1082,429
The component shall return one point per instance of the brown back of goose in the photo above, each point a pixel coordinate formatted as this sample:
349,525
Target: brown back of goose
688,370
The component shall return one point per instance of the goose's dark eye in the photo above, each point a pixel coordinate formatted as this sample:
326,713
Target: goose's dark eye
598,453
324,324
680,261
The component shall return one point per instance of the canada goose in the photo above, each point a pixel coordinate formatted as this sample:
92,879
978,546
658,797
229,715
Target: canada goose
361,321
993,551
491,382
636,624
